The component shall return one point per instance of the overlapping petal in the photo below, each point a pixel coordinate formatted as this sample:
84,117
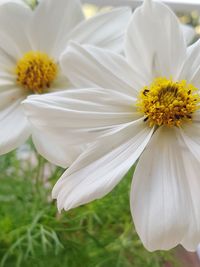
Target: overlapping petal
155,45
190,70
94,67
55,149
190,134
8,54
81,109
192,169
104,30
14,127
161,201
76,117
101,166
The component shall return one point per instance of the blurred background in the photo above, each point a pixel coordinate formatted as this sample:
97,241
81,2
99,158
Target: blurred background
101,234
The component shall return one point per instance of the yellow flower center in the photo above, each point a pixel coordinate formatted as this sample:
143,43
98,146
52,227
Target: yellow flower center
36,71
168,103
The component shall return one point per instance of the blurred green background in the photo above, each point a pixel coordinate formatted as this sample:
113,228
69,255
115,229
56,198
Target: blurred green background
33,233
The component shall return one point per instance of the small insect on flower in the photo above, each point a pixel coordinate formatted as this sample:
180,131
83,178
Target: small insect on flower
144,106
31,47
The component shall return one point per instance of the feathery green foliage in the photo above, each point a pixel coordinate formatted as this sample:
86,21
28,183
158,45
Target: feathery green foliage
34,234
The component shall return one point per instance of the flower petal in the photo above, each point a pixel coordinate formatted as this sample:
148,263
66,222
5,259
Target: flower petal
80,115
55,149
14,34
191,135
13,123
52,22
155,45
8,95
94,67
160,199
8,54
61,83
100,168
104,30
190,70
192,236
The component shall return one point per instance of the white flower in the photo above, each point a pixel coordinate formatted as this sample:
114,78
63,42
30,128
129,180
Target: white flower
147,105
30,48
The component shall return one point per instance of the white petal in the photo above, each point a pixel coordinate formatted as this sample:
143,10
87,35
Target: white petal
80,115
100,168
55,149
190,70
13,123
160,199
192,169
8,54
104,30
9,95
7,80
155,45
191,135
94,67
189,33
14,21
61,83
52,22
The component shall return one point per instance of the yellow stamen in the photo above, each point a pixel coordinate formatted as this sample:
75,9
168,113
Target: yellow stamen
36,71
168,103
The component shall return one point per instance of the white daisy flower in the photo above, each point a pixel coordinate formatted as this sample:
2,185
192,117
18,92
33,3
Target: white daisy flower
145,105
30,48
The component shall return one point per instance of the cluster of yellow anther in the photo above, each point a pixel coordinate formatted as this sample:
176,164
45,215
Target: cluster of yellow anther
36,71
168,103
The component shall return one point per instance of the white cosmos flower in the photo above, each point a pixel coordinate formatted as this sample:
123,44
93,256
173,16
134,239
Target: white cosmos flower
30,48
144,105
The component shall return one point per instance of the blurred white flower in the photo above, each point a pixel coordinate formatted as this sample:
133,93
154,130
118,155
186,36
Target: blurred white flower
145,104
30,48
